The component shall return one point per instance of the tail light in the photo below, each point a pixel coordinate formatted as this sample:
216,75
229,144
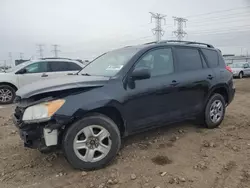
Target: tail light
229,69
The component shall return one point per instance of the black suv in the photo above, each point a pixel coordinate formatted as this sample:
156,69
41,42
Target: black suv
123,92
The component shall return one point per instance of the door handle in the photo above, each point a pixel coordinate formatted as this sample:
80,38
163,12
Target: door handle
210,77
44,75
174,83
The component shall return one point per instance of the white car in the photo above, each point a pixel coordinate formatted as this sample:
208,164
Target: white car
31,71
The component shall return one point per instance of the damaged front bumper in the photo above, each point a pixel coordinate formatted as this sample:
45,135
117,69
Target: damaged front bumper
37,135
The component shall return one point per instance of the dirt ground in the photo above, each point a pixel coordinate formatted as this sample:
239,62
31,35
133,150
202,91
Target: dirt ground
183,155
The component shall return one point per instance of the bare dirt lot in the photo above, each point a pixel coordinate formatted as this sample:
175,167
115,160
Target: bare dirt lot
183,155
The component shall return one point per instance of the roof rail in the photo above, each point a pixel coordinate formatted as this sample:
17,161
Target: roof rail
44,58
186,42
151,42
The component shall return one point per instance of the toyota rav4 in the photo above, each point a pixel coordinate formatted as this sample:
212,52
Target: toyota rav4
122,92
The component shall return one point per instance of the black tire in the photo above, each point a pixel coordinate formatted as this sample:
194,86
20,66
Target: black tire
13,94
207,119
71,132
240,75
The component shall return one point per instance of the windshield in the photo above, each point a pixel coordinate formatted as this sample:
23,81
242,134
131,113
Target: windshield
110,63
237,65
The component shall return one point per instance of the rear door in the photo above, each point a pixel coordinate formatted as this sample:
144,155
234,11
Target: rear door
62,68
194,80
247,69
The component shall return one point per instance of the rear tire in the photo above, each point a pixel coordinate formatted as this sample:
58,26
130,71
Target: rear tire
214,111
7,94
92,142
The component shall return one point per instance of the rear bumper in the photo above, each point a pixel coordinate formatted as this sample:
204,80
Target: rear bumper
231,95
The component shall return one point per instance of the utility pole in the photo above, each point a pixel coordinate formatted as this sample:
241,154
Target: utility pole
158,31
55,50
21,55
40,50
10,57
5,64
180,33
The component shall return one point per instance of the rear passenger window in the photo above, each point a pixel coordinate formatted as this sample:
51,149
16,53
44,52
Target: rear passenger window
74,66
211,57
57,66
188,59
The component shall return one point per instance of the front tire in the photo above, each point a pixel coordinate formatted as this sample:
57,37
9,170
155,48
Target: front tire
240,75
92,142
7,94
214,111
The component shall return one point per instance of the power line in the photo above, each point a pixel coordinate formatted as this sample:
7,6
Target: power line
180,33
40,50
218,17
216,32
55,50
230,28
158,31
220,11
218,22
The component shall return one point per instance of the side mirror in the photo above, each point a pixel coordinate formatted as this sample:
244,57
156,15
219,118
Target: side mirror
22,71
141,74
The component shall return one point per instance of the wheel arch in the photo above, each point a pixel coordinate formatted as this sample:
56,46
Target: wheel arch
111,109
114,114
9,84
220,89
242,73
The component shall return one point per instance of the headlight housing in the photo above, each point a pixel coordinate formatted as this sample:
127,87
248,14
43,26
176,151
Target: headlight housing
42,112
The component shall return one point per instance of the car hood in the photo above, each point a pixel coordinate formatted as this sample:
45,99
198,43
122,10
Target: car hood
237,69
59,84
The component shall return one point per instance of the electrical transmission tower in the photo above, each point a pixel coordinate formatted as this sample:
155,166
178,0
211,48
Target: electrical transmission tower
40,50
180,33
158,31
21,55
55,50
10,58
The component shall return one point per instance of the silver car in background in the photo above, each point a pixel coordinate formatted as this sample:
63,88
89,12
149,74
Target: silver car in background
240,69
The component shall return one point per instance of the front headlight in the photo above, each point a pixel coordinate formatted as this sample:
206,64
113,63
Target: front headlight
42,112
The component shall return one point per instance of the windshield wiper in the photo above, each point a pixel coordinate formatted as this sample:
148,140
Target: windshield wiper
86,74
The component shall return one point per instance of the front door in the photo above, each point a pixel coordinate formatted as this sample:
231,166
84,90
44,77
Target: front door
150,101
33,73
247,69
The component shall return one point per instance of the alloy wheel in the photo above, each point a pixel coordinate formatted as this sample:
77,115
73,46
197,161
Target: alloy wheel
92,143
5,95
216,111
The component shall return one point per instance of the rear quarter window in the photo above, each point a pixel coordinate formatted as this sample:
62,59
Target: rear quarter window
211,57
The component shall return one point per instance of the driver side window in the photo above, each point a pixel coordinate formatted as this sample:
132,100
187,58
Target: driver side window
159,61
38,67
